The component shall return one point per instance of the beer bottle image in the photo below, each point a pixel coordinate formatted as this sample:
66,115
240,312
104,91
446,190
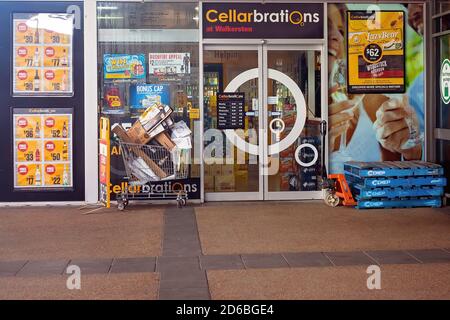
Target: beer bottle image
64,131
63,81
37,156
37,132
36,36
65,177
36,58
37,176
37,81
65,151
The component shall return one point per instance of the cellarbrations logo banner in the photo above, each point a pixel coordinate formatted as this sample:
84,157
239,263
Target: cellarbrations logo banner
263,21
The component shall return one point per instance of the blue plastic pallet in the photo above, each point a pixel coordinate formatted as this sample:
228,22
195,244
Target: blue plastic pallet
362,193
411,203
396,182
393,169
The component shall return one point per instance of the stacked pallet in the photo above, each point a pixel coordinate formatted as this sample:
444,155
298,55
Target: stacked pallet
395,184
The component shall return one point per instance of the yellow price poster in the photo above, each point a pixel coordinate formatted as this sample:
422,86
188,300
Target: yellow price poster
26,31
56,56
376,52
28,175
57,126
28,151
43,147
28,56
54,37
27,80
42,54
27,126
57,175
56,80
56,150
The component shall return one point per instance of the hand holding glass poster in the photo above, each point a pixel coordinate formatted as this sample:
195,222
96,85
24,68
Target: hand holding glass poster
376,52
42,54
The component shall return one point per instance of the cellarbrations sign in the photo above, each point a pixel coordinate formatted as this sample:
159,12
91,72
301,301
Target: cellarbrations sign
262,21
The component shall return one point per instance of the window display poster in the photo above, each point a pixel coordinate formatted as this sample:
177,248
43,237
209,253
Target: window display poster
169,63
42,148
42,54
143,96
124,66
376,52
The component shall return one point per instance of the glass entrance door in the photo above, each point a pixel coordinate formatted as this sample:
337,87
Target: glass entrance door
275,153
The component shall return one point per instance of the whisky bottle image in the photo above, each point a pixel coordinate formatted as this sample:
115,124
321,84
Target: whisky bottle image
64,59
65,152
37,132
36,36
36,58
64,131
65,177
37,155
37,176
63,81
36,81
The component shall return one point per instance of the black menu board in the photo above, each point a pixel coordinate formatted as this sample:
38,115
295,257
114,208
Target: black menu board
230,110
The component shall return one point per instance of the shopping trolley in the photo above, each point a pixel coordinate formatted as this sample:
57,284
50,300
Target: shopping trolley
147,164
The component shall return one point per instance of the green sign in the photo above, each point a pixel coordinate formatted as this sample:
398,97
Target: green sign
445,81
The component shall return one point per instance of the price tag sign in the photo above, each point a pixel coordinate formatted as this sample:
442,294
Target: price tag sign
42,54
43,148
376,52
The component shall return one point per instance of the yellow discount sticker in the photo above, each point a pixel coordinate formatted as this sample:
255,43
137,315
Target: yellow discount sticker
56,150
28,56
56,56
29,175
25,33
28,126
57,126
56,80
53,37
28,151
27,80
57,175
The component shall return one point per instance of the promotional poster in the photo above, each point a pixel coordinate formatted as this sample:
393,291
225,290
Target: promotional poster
169,63
368,119
376,52
143,96
43,148
42,57
124,66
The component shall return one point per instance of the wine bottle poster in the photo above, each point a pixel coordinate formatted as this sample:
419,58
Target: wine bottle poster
376,52
42,54
43,148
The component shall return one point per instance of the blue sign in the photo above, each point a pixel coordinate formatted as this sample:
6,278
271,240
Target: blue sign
124,66
143,96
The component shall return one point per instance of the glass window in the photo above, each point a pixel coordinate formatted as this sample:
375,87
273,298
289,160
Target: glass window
441,6
443,87
148,61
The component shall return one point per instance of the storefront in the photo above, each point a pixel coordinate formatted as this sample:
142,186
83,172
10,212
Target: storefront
247,83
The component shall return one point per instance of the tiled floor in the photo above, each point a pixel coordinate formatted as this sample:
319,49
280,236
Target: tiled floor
184,269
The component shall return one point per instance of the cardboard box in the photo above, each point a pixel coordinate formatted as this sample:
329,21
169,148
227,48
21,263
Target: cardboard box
164,140
137,134
224,183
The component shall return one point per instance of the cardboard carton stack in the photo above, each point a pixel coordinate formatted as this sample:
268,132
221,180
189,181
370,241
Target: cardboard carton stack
155,126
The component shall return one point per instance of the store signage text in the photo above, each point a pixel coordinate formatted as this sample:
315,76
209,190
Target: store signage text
252,20
445,81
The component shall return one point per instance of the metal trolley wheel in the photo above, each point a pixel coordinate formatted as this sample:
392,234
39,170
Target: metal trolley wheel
332,200
122,202
181,199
